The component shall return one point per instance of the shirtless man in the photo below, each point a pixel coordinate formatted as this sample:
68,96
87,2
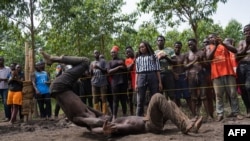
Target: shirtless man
61,89
209,90
243,70
195,62
159,111
181,84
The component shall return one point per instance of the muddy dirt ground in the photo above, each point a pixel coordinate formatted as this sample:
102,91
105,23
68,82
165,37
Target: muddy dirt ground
61,130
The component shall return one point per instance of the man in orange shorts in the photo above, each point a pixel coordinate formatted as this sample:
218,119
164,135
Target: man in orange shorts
15,94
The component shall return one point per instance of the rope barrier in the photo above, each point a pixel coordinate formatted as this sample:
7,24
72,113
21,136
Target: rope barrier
200,62
127,93
203,87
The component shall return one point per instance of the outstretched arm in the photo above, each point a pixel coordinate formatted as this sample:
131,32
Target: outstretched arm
33,80
121,127
229,47
89,123
114,128
107,129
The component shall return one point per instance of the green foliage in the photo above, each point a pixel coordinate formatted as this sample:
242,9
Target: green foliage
233,30
147,32
207,27
82,26
174,36
11,43
77,27
171,37
174,12
184,36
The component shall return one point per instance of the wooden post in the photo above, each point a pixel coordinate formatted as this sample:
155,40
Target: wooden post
31,62
32,70
26,66
29,103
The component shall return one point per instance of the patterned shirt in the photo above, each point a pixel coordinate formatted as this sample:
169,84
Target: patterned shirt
147,63
165,66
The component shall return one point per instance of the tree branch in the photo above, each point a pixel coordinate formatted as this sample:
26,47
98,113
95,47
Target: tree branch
17,21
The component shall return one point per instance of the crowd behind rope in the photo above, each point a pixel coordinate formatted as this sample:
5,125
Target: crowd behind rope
202,76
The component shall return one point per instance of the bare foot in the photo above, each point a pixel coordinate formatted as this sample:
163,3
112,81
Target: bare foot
194,123
248,115
46,57
190,125
12,121
197,125
113,118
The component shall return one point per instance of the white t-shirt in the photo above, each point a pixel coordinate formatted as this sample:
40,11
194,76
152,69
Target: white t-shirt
4,73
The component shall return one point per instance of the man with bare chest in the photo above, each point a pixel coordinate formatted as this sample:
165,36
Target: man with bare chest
195,62
181,84
243,69
158,112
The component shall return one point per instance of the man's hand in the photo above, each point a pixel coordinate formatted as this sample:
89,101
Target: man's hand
218,41
161,55
37,92
196,58
108,128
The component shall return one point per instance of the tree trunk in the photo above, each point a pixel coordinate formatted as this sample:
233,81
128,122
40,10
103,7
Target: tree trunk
194,27
31,52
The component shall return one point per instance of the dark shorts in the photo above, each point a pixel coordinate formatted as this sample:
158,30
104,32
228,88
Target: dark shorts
197,81
168,84
181,86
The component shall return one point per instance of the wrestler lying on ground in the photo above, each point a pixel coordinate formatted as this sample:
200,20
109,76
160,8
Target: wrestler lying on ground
159,109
